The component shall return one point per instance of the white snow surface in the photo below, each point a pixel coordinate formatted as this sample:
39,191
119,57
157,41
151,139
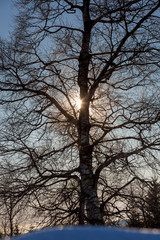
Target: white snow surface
90,233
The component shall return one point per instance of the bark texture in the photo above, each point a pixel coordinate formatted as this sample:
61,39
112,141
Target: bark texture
85,149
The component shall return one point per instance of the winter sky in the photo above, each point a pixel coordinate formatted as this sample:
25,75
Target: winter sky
6,17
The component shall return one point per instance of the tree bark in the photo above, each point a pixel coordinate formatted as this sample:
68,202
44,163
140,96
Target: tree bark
89,190
85,149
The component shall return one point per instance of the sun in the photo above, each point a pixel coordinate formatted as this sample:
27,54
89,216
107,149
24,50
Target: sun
78,103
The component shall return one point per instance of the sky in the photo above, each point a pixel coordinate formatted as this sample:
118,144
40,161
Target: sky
6,17
90,233
7,14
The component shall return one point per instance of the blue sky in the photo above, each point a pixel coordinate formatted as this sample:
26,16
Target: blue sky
6,17
7,13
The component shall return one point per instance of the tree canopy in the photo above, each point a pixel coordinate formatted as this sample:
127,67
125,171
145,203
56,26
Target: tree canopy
75,161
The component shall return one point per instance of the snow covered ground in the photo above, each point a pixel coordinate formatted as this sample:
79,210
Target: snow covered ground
90,233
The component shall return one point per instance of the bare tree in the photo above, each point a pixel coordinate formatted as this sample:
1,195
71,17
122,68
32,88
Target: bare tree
143,205
105,53
12,210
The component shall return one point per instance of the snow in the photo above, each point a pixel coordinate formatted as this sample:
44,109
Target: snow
90,233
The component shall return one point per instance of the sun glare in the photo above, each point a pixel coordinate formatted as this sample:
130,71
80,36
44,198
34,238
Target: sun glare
78,103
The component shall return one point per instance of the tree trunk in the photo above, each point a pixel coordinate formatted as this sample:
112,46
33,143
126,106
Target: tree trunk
11,221
88,186
89,190
81,208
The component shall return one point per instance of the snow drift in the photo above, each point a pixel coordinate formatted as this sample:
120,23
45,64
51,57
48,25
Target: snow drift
90,233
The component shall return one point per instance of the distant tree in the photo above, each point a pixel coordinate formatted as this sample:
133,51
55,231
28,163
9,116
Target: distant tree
136,212
144,209
153,205
9,211
71,158
13,214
